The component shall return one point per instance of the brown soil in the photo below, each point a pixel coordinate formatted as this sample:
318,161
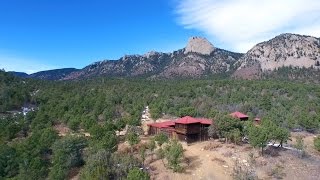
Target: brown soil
308,141
216,160
62,129
73,174
198,164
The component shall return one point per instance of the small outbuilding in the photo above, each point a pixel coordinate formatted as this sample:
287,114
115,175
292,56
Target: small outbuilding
257,121
240,116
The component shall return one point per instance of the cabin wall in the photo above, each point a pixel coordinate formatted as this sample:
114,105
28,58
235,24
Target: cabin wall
152,130
191,138
167,132
188,128
193,128
181,137
181,128
204,136
244,119
188,138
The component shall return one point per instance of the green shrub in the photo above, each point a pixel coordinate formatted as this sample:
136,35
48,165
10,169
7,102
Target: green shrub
137,174
174,155
316,142
300,146
161,138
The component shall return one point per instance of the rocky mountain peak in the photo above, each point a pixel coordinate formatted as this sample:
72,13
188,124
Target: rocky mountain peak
151,53
199,45
285,50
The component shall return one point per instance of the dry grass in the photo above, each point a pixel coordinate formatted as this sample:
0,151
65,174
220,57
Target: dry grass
219,160
276,171
62,129
247,148
227,154
212,146
261,161
231,146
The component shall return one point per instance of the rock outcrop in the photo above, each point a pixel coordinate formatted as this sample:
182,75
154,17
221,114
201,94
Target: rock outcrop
199,45
285,50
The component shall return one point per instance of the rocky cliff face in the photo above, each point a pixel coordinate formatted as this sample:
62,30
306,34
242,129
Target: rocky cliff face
285,50
194,64
199,45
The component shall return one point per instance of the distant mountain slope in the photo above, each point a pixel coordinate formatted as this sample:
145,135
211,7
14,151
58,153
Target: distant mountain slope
285,50
19,74
55,74
199,58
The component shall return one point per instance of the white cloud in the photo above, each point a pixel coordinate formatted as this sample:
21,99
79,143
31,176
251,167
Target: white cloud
14,63
240,24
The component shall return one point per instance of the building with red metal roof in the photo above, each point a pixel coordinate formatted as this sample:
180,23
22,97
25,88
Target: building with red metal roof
239,115
187,120
187,128
206,121
257,120
164,124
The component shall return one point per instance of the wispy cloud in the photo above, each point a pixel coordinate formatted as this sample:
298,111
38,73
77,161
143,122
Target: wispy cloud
14,63
240,24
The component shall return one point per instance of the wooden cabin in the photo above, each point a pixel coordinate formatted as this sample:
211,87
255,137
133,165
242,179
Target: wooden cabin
186,129
240,116
191,129
166,127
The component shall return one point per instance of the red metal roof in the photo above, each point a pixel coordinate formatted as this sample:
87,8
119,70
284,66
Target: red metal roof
187,120
191,120
165,124
183,120
238,115
206,121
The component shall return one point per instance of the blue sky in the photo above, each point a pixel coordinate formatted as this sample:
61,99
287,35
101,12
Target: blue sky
45,34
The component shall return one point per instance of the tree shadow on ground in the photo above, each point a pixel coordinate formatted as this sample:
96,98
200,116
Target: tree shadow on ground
272,151
190,163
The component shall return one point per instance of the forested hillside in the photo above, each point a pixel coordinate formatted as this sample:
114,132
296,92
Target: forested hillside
78,103
14,92
30,148
304,75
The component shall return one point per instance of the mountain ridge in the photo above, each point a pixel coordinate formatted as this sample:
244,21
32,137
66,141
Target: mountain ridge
285,50
201,58
198,58
53,74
